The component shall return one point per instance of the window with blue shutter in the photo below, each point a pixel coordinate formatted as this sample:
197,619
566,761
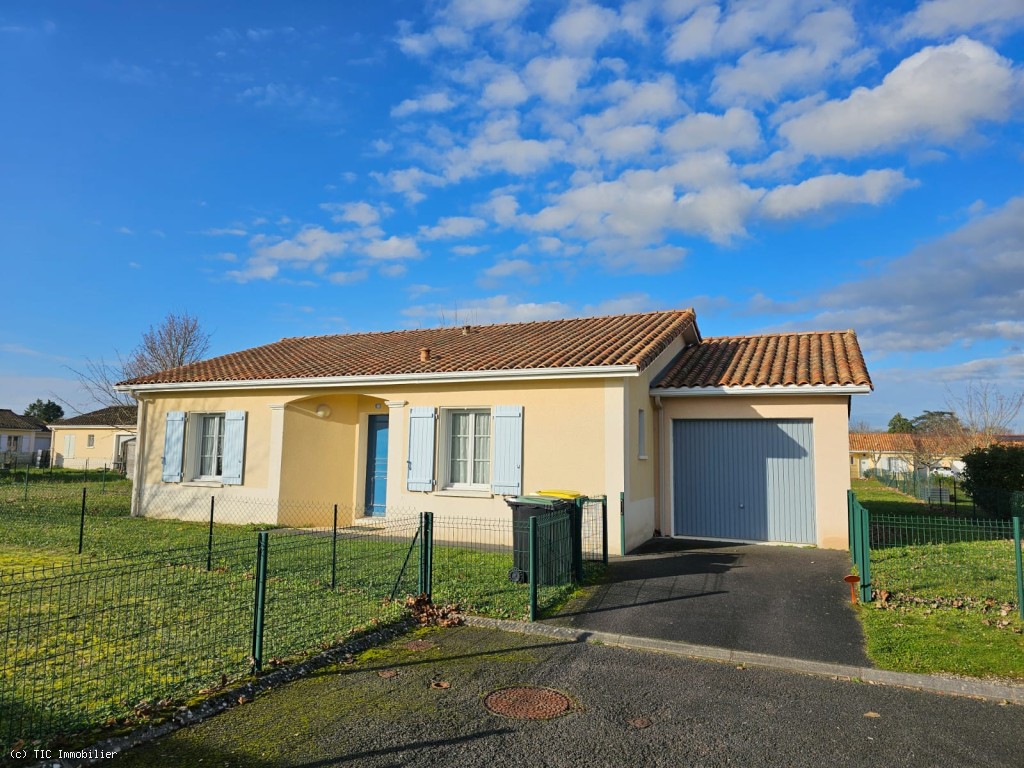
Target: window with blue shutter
422,422
507,477
174,445
234,448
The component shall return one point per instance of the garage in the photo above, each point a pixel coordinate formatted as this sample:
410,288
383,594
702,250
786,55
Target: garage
744,479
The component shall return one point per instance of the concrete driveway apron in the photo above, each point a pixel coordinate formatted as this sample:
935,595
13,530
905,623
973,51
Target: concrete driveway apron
786,601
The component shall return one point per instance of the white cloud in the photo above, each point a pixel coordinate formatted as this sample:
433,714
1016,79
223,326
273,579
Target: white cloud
937,18
496,309
736,129
477,13
311,246
361,213
499,147
421,45
222,231
695,37
505,90
627,304
961,289
583,28
506,271
347,278
409,182
393,247
556,79
433,103
453,226
813,195
937,95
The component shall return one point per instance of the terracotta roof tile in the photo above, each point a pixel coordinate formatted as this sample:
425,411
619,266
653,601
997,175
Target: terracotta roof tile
576,343
784,359
909,443
10,420
114,416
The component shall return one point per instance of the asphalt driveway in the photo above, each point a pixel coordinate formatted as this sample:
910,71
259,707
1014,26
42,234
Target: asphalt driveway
784,601
423,706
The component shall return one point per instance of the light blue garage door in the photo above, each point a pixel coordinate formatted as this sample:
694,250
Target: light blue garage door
745,480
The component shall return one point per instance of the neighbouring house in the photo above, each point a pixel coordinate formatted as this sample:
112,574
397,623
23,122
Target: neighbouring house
23,439
908,452
103,438
739,438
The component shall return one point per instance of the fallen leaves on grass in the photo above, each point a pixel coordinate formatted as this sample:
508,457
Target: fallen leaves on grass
871,714
387,674
428,614
441,684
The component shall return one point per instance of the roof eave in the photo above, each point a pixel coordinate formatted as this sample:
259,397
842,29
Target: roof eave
535,374
775,389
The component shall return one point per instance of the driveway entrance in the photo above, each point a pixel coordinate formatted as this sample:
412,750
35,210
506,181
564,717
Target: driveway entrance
786,601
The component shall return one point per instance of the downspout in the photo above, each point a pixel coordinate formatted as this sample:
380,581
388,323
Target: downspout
140,454
658,467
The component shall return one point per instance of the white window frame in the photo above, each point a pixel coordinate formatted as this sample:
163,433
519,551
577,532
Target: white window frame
90,441
445,453
12,443
194,445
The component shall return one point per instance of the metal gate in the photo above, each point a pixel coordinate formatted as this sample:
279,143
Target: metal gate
746,480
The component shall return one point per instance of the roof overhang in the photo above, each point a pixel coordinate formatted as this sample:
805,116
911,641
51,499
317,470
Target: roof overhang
334,382
796,389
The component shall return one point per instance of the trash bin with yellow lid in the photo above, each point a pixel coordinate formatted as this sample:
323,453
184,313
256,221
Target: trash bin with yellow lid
560,494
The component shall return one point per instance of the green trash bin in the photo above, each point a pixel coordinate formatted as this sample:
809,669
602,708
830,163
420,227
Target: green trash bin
554,566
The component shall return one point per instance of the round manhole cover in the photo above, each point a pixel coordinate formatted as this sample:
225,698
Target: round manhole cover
528,702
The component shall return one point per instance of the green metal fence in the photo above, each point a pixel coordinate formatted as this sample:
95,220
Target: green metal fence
118,640
947,495
938,558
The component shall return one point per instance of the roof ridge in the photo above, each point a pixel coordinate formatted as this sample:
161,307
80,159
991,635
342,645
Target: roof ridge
460,326
779,333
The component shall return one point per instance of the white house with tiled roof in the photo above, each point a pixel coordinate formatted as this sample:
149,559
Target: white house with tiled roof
741,438
94,440
21,437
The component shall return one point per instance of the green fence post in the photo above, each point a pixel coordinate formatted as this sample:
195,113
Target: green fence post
851,539
81,523
26,482
260,601
1020,571
865,554
421,585
209,539
622,520
534,568
428,569
604,530
334,551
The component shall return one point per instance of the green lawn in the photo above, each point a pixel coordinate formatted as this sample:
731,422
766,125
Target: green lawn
118,635
949,606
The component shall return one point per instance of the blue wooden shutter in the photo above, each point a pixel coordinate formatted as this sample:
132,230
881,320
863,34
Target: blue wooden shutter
234,448
421,449
174,444
507,472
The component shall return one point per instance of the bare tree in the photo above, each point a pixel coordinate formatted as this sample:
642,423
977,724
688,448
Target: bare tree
178,340
982,412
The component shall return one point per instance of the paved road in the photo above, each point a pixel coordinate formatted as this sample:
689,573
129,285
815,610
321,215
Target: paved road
785,601
701,713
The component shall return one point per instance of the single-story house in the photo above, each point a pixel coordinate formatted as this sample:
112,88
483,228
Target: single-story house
908,452
739,438
22,437
96,439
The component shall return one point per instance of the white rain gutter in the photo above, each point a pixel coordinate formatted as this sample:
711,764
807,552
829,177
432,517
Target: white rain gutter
789,389
332,382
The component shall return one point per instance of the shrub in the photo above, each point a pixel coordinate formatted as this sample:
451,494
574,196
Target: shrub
992,475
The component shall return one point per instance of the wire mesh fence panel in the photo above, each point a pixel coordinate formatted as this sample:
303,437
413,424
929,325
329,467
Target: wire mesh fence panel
481,566
595,542
932,557
372,570
100,642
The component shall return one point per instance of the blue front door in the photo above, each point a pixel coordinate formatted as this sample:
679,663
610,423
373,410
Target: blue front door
377,466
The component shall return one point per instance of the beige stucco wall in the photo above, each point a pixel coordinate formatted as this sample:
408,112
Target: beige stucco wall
572,438
830,417
642,476
102,453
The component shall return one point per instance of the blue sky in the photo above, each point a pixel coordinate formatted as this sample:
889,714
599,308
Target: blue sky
310,168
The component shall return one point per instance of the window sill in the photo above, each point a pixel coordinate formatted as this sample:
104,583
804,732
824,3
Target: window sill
203,484
465,492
